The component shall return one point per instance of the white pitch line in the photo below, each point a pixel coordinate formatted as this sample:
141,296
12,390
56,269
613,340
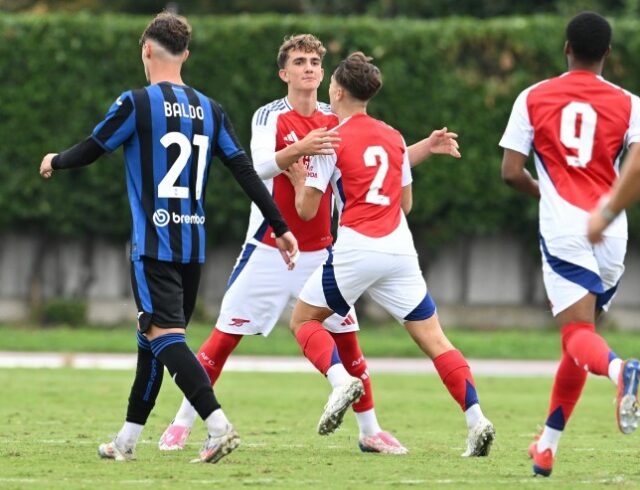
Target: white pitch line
273,364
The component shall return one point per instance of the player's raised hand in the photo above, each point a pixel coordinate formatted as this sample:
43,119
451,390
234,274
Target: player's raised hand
288,246
46,170
444,142
318,142
297,174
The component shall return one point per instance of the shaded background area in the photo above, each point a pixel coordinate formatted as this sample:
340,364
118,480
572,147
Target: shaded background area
62,65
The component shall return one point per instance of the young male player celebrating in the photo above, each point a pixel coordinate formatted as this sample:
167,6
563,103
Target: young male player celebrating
283,132
370,176
578,125
170,132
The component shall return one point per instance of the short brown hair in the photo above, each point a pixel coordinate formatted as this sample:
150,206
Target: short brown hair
358,76
301,42
171,31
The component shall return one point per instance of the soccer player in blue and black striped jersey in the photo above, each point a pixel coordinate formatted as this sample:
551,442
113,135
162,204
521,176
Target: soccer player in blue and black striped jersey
170,132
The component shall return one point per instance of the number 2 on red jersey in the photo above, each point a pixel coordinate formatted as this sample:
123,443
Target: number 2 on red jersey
374,156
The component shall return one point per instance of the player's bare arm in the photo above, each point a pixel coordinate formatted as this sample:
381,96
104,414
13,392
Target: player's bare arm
515,174
625,192
407,199
317,142
441,141
308,202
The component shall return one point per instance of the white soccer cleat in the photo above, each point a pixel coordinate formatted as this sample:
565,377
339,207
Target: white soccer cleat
340,399
174,438
216,448
111,450
480,438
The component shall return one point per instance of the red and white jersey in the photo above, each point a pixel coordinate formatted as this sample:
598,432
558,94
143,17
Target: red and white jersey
273,127
578,125
367,173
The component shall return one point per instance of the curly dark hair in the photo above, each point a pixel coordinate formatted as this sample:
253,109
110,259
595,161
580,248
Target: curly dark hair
589,35
359,76
171,31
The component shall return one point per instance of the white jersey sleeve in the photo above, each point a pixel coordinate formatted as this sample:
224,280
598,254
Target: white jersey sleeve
263,145
406,167
321,168
519,133
633,134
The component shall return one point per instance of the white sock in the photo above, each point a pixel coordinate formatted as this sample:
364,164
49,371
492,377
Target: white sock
368,422
217,423
186,415
129,435
338,375
614,370
473,414
549,439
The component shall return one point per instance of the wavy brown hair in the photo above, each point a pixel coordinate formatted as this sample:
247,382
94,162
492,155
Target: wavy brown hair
307,43
171,31
361,78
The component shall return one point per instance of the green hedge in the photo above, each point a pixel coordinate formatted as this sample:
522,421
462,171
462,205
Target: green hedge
59,74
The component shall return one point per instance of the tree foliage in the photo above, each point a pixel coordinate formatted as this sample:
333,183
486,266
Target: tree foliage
60,73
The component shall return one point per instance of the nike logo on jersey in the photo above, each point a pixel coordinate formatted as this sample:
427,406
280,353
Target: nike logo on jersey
238,322
290,138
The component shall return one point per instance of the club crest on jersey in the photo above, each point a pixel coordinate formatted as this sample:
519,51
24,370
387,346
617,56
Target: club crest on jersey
238,322
178,109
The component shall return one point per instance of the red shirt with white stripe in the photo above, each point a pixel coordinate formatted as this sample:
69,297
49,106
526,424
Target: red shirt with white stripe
367,172
578,125
275,126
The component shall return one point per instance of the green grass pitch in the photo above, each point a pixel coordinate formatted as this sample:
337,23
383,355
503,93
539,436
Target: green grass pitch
53,420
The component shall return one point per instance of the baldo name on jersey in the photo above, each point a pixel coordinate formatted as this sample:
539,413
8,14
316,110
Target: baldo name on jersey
178,109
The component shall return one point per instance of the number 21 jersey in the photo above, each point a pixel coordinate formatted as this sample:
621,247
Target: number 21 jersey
578,125
170,133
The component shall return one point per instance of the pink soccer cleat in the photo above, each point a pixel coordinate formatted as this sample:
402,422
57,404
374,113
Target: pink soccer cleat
382,442
174,438
217,447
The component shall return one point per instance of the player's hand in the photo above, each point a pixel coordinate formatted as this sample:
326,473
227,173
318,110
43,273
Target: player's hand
46,170
288,246
297,174
318,142
596,226
444,142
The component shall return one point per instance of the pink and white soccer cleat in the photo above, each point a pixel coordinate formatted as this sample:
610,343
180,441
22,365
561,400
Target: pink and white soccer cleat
216,448
174,438
382,442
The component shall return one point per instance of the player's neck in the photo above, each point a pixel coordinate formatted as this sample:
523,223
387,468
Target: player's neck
304,103
163,73
595,68
347,111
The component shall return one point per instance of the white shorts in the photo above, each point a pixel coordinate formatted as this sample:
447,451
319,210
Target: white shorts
572,267
395,282
260,288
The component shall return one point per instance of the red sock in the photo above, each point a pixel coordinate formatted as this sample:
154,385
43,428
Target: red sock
567,387
317,345
356,365
590,351
214,352
456,376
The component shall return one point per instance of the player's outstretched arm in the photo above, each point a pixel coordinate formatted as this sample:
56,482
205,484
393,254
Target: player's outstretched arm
80,155
440,141
515,175
626,190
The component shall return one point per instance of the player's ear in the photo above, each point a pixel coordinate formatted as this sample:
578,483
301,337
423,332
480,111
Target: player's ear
567,48
321,74
283,75
185,55
607,52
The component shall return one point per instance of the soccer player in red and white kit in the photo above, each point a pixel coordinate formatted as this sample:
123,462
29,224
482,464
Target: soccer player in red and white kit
374,252
578,124
258,291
